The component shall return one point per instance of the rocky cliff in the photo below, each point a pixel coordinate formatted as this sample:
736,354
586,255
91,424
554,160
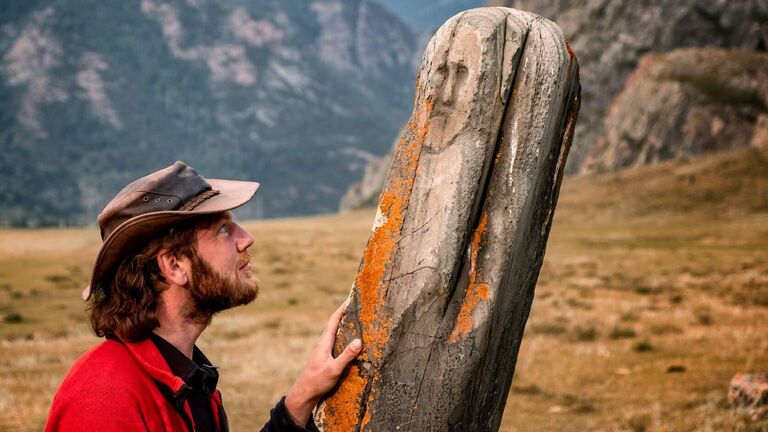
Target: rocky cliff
365,193
684,103
610,37
299,95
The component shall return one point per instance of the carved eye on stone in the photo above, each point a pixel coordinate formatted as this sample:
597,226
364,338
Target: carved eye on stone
438,77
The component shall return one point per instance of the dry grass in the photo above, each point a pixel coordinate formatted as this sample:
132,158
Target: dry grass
646,271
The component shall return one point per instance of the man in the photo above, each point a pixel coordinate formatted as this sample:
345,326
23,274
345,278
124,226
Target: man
173,257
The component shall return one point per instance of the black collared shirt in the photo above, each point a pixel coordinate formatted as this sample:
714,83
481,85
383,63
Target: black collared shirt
201,376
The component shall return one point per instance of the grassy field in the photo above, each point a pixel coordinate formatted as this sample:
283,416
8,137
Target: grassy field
654,292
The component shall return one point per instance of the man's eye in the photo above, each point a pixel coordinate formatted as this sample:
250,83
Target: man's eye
224,229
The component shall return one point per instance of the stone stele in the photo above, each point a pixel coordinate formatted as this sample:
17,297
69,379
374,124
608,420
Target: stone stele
446,281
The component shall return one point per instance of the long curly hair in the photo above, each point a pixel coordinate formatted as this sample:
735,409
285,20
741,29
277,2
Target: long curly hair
125,306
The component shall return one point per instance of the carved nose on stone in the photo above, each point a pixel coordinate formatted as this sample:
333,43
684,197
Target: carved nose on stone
454,82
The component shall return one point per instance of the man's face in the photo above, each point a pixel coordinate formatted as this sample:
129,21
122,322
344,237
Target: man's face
221,271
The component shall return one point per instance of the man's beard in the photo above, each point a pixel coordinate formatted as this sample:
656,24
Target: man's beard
212,292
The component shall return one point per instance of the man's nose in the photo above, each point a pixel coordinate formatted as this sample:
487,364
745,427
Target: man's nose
244,239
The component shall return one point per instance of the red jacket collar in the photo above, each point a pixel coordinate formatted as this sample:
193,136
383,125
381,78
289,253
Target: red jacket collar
149,358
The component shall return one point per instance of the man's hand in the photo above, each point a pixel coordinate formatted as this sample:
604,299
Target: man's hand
321,372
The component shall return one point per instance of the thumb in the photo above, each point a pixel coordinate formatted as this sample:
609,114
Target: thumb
349,353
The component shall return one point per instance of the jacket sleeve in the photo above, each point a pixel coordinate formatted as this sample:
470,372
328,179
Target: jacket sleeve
281,421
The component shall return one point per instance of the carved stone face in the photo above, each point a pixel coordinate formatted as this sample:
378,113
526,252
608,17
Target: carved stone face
455,83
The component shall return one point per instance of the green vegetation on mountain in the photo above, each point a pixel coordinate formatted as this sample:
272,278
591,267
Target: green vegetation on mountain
298,95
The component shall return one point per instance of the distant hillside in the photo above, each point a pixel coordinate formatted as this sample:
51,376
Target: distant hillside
716,185
299,95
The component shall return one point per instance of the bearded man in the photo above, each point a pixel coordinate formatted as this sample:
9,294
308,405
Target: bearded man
173,257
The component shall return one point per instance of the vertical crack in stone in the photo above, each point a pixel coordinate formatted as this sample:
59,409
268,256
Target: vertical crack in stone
481,291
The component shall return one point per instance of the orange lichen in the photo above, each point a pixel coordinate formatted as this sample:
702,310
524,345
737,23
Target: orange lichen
475,291
381,246
570,126
565,147
342,408
571,54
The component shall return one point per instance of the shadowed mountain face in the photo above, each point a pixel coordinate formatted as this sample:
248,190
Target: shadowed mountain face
298,95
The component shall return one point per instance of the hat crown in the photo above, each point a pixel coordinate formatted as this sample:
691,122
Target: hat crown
165,190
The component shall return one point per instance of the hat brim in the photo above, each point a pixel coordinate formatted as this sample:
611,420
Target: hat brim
135,233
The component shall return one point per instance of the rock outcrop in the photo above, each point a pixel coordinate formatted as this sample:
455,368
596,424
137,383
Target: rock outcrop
445,285
366,192
749,394
610,37
684,103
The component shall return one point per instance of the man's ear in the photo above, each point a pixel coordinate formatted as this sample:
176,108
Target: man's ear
175,270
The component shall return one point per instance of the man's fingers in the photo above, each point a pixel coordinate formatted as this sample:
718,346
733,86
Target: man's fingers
341,308
336,316
329,334
349,353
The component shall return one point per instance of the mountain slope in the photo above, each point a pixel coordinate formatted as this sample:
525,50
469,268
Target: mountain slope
711,186
297,95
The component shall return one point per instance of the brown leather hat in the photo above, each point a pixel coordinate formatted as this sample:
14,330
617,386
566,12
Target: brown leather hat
151,204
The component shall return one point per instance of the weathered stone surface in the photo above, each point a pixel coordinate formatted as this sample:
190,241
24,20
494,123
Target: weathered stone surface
684,103
447,277
749,393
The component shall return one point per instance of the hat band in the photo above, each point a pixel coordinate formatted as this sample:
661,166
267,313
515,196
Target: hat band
196,201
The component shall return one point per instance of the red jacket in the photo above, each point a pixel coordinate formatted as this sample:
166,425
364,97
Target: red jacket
114,387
